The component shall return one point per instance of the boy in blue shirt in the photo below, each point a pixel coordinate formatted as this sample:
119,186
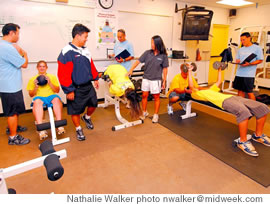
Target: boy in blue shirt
245,75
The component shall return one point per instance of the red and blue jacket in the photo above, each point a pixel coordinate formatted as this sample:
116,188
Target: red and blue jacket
75,67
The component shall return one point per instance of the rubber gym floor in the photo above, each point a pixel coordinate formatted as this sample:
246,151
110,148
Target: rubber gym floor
146,159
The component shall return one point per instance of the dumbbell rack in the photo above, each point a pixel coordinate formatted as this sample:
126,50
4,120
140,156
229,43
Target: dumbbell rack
137,73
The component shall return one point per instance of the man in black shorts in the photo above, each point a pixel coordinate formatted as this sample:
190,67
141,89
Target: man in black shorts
76,71
245,75
12,59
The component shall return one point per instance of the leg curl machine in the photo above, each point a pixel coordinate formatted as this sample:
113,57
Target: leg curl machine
50,159
109,100
52,125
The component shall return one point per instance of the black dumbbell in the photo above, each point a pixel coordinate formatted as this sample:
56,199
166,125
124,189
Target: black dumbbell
133,81
138,84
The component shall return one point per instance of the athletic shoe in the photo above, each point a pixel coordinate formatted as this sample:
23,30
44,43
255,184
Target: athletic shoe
144,115
155,118
183,105
80,135
60,130
262,139
19,129
170,109
18,140
88,122
247,147
43,134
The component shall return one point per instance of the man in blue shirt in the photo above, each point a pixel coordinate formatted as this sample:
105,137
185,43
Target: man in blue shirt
122,45
12,59
245,75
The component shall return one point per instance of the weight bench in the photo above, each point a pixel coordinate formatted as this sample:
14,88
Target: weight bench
190,114
52,125
115,100
50,159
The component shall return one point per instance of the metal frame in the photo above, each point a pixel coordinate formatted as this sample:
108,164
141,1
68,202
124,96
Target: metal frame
23,167
190,114
55,141
108,100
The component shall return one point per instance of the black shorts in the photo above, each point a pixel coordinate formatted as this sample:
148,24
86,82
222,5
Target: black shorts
244,84
12,103
85,96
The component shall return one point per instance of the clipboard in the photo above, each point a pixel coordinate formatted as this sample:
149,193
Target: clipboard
248,59
124,54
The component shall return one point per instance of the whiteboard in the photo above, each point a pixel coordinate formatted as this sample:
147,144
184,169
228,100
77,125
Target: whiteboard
46,28
140,28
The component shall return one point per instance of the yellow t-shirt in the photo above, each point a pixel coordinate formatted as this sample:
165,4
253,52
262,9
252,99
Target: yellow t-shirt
212,95
179,82
46,90
120,82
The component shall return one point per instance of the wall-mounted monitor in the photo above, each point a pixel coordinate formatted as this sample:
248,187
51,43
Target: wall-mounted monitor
196,23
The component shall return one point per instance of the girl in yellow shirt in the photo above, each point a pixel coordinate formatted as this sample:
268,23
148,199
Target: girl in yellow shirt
120,85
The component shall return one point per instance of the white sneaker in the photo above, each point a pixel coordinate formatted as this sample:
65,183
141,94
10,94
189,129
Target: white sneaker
144,115
155,118
170,109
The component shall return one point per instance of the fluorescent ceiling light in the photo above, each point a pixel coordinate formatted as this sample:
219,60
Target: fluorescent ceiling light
235,2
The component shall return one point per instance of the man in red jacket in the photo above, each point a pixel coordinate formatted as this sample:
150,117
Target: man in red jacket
76,71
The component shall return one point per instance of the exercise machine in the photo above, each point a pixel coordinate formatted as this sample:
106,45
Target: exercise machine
115,100
50,159
52,125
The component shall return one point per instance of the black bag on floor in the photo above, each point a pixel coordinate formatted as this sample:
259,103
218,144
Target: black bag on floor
264,98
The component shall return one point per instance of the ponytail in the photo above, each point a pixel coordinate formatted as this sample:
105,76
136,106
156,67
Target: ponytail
134,99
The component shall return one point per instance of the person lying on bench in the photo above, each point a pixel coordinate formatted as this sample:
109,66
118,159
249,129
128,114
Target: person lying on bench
120,85
178,89
43,90
241,107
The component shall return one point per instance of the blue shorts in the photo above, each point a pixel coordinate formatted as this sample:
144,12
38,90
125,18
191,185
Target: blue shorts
180,96
47,100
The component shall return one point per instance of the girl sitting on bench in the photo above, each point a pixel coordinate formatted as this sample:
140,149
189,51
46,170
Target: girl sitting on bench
44,93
